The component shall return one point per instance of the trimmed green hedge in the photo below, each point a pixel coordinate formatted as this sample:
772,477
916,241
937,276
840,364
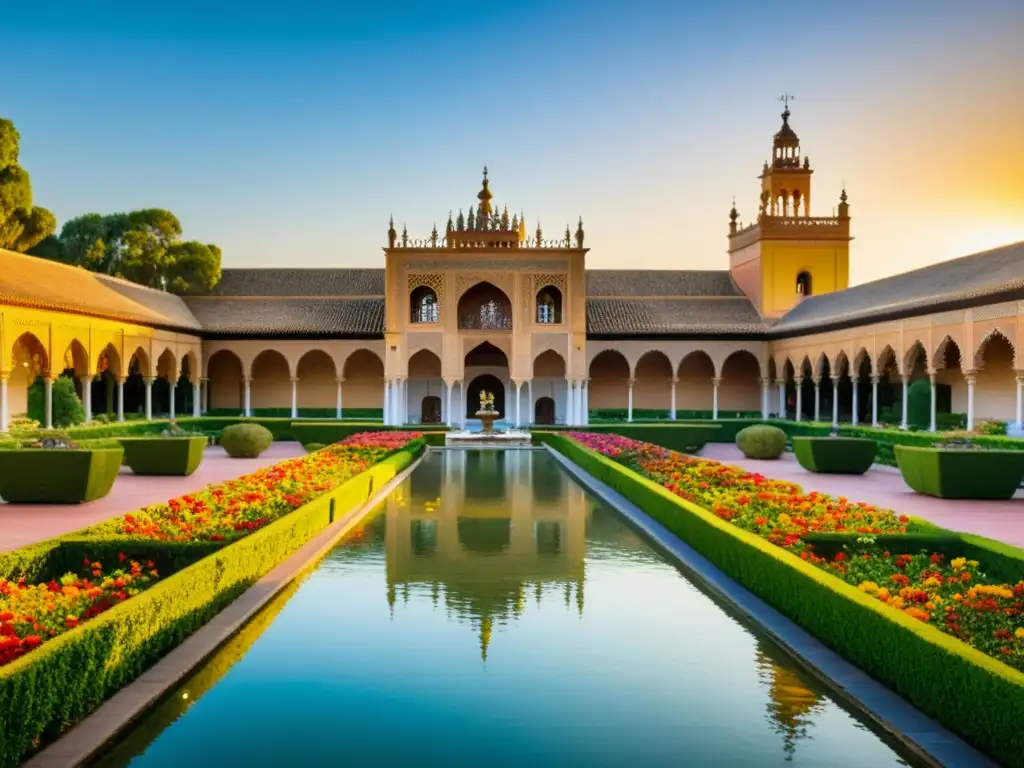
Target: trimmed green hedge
761,441
955,473
44,692
58,475
163,455
964,689
835,455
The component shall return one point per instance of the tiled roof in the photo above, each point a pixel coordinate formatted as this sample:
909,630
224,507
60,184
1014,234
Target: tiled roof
989,273
272,315
34,282
293,282
660,316
660,282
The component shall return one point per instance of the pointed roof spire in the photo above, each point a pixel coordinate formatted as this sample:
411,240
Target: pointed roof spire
484,196
522,227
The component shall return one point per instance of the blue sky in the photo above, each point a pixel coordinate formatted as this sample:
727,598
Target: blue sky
288,133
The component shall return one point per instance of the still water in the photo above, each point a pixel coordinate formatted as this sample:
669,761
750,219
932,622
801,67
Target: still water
493,612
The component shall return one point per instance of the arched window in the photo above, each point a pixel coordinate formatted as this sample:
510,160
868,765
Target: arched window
803,284
549,305
423,305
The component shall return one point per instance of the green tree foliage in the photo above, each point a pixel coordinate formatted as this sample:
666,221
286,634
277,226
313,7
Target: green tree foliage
22,225
67,408
142,246
919,404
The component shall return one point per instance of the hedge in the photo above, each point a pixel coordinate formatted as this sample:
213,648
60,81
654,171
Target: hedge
48,690
364,414
955,473
58,475
163,455
964,689
840,455
647,414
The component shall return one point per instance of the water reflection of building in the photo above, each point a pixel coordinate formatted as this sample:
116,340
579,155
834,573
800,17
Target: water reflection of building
482,531
792,705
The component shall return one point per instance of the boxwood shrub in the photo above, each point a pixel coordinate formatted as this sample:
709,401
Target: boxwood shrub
835,455
58,475
957,473
163,455
246,441
45,692
961,687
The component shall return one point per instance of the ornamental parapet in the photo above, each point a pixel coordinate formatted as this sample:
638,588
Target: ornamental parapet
792,227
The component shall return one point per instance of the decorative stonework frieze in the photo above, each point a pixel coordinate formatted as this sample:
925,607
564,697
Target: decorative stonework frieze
1006,309
495,264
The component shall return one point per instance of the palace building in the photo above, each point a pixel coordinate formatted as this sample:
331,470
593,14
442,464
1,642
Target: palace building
492,304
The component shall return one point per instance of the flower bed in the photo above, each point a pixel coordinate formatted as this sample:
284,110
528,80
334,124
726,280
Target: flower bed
222,513
775,510
957,598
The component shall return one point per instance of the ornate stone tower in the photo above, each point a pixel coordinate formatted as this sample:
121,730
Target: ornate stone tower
788,254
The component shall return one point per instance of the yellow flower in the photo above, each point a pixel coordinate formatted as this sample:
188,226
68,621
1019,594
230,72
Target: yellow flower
784,518
958,597
1019,634
931,581
994,591
972,563
896,602
868,586
957,563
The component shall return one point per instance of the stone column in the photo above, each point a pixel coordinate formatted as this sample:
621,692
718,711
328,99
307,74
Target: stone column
570,403
148,383
196,398
585,421
835,403
247,399
856,400
817,398
87,397
5,416
205,396
932,423
448,402
782,399
295,397
1020,400
798,381
672,404
629,408
337,406
529,401
462,403
387,403
906,383
715,382
874,401
48,401
519,399
972,378
764,398
120,399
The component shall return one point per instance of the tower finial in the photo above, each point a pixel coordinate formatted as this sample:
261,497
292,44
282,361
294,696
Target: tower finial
785,98
484,196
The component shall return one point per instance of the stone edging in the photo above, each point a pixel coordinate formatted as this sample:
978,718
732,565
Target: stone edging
91,735
928,740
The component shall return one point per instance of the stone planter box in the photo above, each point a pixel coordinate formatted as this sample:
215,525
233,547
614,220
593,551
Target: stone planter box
163,455
58,475
955,473
835,455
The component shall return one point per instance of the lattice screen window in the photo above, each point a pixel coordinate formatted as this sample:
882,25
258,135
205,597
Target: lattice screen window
426,296
549,294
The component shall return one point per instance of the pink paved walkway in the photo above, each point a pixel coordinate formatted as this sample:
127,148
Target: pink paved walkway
884,487
22,524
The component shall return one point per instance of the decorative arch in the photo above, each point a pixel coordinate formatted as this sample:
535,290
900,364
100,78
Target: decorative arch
485,307
271,385
167,366
696,374
549,365
29,360
740,388
493,385
425,364
190,367
1002,343
652,381
885,361
138,362
822,366
317,385
363,371
841,367
226,374
549,305
424,306
915,360
995,388
109,361
947,354
609,380
862,364
76,359
486,355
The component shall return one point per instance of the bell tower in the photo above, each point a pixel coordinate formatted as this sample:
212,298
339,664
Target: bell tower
787,254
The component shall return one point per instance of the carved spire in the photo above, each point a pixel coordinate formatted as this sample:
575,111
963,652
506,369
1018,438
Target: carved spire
484,196
405,236
733,216
460,222
579,233
470,220
568,237
540,234
504,219
448,229
844,207
392,235
433,236
522,228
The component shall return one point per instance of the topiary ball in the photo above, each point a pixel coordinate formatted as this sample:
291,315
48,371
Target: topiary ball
761,441
311,447
245,441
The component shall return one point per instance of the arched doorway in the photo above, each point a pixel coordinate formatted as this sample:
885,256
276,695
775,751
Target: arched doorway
485,382
544,412
430,410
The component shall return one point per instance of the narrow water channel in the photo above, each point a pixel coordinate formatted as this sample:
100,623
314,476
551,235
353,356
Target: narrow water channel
493,612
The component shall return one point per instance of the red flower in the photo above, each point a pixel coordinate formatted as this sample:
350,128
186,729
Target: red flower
71,622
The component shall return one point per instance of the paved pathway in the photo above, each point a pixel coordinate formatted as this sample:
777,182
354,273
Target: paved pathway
884,487
22,524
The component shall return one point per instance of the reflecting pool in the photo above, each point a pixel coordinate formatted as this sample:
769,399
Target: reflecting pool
493,612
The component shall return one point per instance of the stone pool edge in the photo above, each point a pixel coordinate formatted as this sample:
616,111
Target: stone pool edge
927,739
90,736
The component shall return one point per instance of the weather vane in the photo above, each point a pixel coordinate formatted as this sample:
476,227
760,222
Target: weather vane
485,171
785,98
